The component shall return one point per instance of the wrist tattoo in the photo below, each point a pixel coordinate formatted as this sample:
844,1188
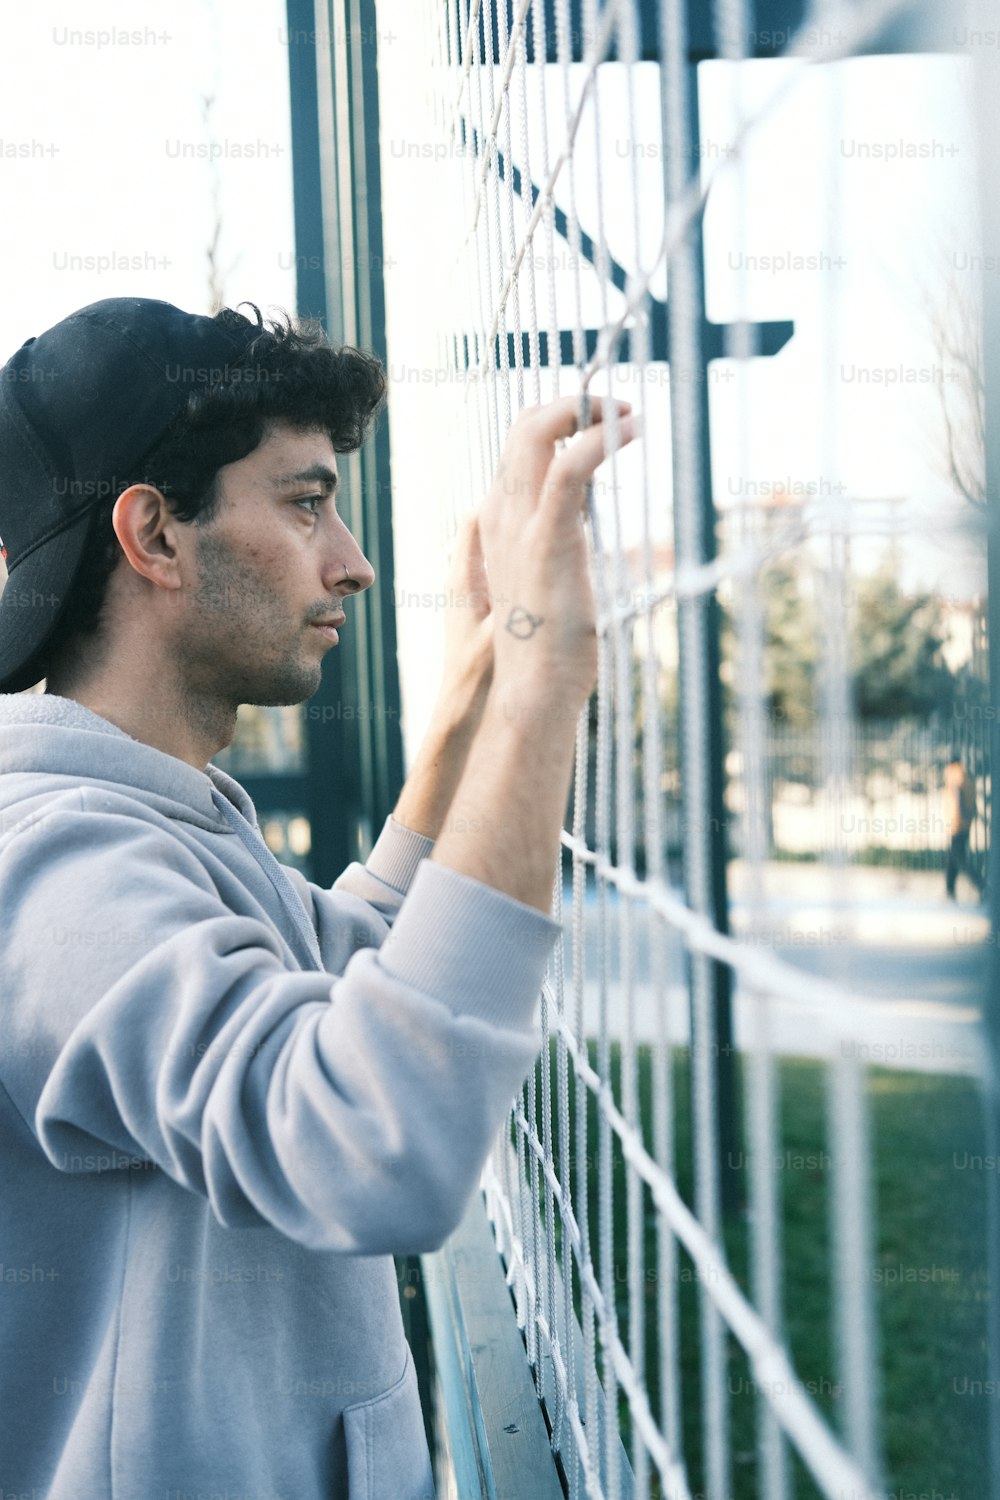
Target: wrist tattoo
522,624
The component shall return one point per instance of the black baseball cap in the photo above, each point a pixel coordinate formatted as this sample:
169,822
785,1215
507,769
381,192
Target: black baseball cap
80,407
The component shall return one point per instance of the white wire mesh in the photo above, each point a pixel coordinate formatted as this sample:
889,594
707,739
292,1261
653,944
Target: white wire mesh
543,286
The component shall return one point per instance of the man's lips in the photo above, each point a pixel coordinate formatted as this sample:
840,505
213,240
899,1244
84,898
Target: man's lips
328,627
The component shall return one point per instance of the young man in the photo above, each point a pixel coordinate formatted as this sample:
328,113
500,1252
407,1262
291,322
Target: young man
229,1096
960,809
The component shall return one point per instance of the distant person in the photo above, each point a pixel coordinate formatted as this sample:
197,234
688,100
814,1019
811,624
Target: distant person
960,800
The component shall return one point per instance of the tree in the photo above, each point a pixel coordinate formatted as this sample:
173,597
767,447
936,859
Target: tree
790,648
895,642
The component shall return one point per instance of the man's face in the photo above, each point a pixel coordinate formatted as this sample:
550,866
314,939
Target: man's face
275,559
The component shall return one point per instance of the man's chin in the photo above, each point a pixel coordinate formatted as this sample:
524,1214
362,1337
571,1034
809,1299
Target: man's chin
281,690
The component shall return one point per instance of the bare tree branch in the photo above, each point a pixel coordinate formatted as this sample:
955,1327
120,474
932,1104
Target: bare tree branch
216,275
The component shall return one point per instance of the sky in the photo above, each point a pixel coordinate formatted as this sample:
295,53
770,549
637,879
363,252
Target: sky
106,189
108,133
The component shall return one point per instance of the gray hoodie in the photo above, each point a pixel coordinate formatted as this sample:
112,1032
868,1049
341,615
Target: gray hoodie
227,1098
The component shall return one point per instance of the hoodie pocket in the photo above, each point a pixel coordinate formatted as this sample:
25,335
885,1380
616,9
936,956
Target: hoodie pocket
387,1457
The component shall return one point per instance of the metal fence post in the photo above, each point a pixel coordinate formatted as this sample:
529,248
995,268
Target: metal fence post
354,735
355,758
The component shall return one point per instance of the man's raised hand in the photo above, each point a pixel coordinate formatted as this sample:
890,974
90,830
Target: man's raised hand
535,549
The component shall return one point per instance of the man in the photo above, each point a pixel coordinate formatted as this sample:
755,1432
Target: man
229,1096
960,799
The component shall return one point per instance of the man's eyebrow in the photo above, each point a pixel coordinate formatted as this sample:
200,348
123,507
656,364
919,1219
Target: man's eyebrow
316,474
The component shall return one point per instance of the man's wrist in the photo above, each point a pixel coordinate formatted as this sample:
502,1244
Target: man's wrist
503,825
459,706
535,700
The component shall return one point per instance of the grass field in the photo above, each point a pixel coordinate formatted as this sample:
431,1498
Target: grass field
928,1273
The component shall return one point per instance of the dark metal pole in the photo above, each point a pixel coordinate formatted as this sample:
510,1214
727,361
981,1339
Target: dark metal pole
384,694
354,731
353,723
706,842
327,738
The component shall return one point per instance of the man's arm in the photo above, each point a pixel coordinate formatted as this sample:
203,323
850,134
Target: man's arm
435,774
352,1112
492,775
433,779
468,667
505,819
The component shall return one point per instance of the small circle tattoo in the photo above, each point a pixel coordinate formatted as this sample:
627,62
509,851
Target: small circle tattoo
522,624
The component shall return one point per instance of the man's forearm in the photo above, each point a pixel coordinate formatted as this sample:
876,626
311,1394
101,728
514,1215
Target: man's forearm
503,826
433,779
437,770
506,815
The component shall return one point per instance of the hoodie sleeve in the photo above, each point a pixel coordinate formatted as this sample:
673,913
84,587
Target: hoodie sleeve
147,1022
374,892
388,872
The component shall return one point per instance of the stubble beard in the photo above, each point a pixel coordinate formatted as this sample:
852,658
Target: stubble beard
240,622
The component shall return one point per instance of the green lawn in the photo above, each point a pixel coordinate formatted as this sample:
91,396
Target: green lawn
928,1273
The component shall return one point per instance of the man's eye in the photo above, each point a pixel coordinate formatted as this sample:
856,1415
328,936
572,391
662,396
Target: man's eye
310,500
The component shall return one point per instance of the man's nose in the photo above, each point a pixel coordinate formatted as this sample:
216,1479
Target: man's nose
358,578
352,572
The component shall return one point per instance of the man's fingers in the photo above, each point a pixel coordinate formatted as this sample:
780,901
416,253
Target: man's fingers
467,576
559,419
533,472
525,466
575,465
564,492
465,538
467,551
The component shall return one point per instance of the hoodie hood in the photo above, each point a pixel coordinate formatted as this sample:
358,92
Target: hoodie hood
52,746
49,744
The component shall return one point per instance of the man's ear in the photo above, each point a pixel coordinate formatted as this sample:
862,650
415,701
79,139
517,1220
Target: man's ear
148,534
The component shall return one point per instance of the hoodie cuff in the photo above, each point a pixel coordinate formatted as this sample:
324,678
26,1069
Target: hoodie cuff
396,854
477,950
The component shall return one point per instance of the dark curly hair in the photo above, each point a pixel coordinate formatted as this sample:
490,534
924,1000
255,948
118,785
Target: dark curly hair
290,374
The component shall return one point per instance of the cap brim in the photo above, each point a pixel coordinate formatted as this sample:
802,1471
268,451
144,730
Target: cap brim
32,604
